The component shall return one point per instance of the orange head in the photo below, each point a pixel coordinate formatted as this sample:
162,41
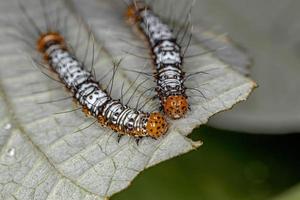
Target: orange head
176,106
49,38
156,125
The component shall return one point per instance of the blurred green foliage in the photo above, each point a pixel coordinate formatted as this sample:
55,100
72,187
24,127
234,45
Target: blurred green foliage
292,194
229,166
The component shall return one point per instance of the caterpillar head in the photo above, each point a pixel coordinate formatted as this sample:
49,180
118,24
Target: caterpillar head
156,125
176,106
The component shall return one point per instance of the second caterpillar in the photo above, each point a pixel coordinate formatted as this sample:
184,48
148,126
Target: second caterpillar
168,58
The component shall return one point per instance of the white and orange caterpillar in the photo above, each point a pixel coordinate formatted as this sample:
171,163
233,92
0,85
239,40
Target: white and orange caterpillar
87,92
168,58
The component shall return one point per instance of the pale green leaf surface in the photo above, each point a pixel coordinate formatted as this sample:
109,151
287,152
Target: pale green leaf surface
44,156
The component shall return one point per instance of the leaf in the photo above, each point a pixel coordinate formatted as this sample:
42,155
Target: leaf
43,154
226,50
273,41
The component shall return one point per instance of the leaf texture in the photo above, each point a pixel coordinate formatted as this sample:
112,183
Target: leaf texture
47,155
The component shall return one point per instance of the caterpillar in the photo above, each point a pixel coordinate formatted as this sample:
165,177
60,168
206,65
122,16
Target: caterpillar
87,92
167,58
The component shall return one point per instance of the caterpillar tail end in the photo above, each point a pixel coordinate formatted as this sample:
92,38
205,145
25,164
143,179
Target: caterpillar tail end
156,125
131,15
132,12
176,106
48,39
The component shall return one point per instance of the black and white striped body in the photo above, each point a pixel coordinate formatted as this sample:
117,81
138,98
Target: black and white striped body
167,55
89,94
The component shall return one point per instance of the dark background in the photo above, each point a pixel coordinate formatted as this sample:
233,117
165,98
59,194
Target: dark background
229,166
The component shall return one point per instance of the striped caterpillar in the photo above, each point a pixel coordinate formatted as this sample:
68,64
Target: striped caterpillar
168,59
87,92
